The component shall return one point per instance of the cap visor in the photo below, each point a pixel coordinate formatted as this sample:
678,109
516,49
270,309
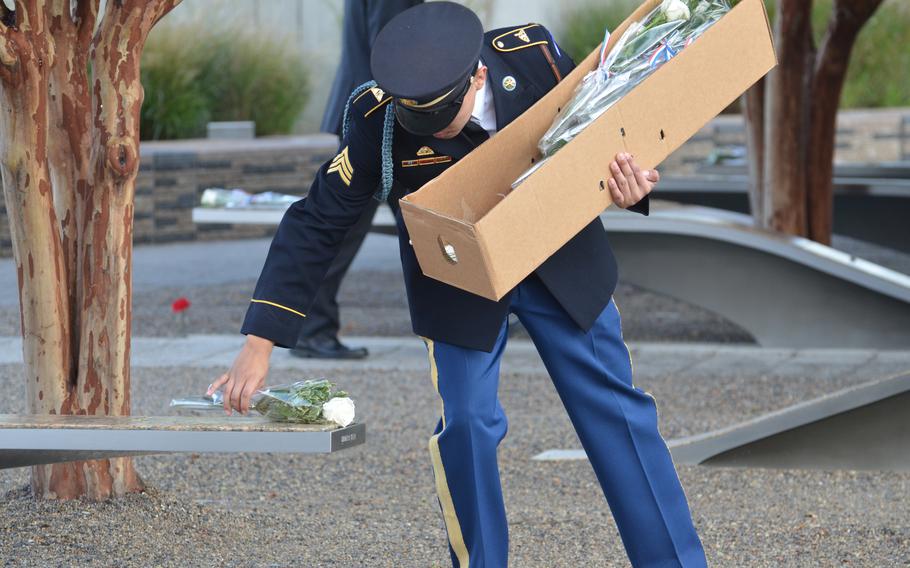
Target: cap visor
425,123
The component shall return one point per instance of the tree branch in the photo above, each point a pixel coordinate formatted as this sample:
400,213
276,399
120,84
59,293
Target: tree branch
830,72
28,14
86,17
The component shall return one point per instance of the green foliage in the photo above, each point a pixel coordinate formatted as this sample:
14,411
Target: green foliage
176,103
878,71
583,27
877,74
193,74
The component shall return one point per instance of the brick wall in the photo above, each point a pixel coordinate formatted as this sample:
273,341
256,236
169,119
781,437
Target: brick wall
863,136
173,175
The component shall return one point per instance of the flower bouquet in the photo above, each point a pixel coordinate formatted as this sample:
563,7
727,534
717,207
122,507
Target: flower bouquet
644,47
303,402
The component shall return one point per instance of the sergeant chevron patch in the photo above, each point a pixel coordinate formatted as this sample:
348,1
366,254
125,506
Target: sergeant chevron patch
341,164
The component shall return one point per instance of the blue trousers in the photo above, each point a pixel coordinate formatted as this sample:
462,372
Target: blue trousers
615,421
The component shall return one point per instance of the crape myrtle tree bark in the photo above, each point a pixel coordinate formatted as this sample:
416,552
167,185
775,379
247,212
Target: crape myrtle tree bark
69,154
791,118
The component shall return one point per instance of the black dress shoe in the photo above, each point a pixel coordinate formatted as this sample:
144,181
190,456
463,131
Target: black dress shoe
327,348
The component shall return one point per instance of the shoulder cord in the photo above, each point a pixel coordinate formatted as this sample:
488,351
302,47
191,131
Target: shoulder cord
388,129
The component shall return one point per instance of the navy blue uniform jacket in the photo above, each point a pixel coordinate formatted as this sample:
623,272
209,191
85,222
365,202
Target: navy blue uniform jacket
581,275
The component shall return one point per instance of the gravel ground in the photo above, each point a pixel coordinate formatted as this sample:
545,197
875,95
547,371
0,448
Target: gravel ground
374,303
375,506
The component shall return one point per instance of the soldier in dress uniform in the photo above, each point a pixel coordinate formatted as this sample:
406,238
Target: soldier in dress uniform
442,87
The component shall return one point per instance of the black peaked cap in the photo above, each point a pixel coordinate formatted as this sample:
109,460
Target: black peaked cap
427,51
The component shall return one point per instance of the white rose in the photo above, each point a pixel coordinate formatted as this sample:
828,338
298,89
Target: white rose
339,410
675,10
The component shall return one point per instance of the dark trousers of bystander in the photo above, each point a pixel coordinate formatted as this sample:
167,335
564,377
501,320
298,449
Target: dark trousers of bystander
322,324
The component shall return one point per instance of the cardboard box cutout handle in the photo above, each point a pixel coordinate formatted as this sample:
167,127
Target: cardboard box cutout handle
448,250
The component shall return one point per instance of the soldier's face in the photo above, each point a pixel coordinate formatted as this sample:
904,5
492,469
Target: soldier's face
467,106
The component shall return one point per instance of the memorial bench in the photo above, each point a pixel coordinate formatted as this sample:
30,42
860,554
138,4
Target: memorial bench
383,222
30,439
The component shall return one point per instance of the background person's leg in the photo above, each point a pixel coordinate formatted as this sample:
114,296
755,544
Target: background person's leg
319,335
617,425
463,452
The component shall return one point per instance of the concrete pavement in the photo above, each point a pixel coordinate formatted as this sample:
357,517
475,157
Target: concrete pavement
409,354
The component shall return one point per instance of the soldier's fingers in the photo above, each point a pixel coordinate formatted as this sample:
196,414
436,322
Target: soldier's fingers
653,176
619,178
235,394
636,190
227,395
245,396
642,178
617,194
218,382
625,166
628,197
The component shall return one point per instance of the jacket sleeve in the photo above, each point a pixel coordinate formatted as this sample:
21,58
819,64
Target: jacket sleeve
310,235
643,206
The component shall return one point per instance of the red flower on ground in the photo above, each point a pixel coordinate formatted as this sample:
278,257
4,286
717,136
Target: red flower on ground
180,304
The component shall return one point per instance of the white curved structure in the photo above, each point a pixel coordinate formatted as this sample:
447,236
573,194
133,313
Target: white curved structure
786,291
862,427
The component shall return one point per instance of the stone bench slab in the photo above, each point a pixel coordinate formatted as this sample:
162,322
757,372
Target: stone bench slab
41,439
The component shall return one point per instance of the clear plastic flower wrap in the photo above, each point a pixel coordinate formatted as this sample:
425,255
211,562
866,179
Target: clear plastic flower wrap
643,48
314,401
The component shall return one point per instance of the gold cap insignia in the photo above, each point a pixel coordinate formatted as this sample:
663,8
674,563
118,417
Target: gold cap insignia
341,164
425,151
523,36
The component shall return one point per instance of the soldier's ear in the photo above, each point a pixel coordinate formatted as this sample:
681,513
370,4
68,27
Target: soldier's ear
480,77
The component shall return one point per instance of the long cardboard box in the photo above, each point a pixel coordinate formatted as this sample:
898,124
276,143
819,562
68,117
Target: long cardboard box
470,230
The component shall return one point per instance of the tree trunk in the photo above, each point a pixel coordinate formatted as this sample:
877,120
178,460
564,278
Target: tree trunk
791,119
753,103
70,202
830,72
783,176
37,248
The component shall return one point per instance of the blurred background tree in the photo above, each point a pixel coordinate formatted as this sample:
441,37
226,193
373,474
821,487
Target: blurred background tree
791,132
195,72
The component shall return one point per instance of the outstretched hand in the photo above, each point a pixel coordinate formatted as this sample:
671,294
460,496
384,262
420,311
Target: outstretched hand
246,376
629,184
